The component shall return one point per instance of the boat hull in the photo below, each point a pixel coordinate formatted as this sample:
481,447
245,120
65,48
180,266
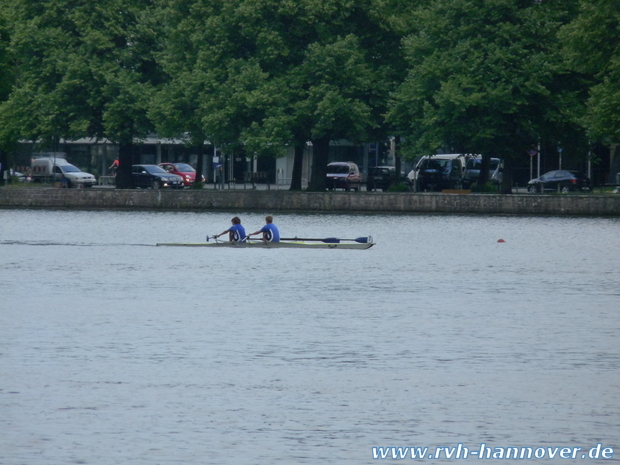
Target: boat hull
272,245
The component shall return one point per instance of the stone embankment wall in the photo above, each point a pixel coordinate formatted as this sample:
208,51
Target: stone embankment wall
274,200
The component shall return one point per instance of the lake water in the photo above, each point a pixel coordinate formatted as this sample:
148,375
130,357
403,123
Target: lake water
114,351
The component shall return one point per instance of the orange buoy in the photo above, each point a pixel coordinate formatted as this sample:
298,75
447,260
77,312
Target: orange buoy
501,240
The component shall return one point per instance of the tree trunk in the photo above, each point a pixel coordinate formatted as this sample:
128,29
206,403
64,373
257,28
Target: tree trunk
483,177
298,166
125,160
397,159
4,163
320,157
200,149
506,185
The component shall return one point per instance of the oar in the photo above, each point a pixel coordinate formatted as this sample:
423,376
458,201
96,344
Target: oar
327,240
217,239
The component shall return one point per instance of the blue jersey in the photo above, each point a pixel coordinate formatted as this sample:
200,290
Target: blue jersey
238,233
271,233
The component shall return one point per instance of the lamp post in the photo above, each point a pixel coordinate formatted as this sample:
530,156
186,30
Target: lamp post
532,153
538,171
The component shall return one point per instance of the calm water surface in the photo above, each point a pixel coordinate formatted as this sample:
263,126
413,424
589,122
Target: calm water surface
114,351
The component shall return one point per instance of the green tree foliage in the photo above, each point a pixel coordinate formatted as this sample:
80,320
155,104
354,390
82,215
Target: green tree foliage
83,69
7,137
592,46
7,76
485,76
284,72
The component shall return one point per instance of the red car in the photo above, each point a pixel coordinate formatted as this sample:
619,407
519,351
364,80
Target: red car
182,169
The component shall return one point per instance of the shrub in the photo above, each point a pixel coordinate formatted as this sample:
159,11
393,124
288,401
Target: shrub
398,187
488,187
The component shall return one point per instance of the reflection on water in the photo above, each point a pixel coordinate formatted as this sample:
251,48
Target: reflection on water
115,351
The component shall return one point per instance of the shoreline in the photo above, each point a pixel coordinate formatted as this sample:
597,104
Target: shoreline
327,202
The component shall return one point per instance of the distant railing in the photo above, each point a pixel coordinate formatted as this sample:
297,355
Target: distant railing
256,177
107,180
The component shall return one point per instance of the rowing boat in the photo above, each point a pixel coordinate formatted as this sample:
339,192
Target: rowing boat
330,243
270,245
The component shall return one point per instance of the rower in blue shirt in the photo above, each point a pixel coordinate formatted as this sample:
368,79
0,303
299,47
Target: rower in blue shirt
270,231
236,233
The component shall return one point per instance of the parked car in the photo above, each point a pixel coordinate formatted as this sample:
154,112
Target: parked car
472,171
560,180
154,177
60,170
21,177
343,175
437,172
182,169
382,177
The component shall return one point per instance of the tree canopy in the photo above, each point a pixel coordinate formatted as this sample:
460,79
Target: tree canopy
592,47
483,76
84,69
270,73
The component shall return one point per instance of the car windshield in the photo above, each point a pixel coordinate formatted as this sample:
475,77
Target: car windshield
152,169
474,164
379,172
434,164
69,169
184,168
338,169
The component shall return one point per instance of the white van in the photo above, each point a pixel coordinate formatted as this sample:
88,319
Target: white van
60,170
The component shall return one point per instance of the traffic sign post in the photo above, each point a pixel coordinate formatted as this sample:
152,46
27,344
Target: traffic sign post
532,153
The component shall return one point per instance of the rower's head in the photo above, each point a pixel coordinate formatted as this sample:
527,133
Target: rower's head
269,219
236,220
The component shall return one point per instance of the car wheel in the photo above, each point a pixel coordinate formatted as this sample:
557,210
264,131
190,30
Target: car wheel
565,190
156,184
532,188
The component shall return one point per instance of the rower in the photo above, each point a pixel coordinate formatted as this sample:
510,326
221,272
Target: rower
270,231
236,233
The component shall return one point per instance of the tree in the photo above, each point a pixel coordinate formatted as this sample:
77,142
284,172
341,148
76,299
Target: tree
85,69
7,137
591,47
485,76
285,72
